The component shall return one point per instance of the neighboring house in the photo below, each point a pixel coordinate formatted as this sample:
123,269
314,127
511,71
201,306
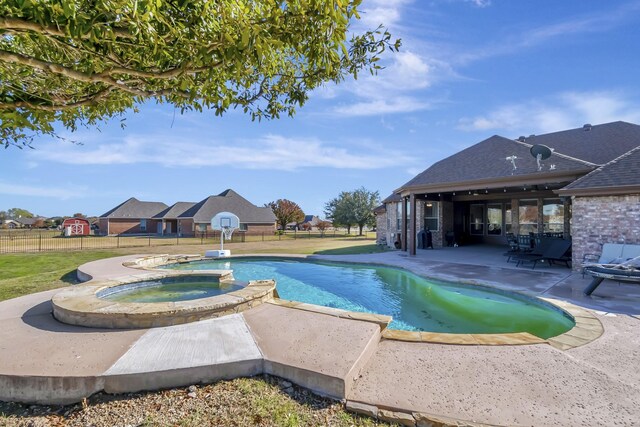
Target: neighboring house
131,217
76,227
30,222
589,190
309,222
253,219
185,218
12,224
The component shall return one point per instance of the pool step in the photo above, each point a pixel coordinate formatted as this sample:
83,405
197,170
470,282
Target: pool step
301,345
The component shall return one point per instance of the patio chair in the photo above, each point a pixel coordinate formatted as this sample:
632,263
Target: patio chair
514,248
550,250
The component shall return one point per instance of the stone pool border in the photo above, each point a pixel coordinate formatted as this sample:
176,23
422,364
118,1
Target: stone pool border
81,305
587,327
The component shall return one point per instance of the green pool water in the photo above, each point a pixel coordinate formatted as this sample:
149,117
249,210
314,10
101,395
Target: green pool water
182,288
416,304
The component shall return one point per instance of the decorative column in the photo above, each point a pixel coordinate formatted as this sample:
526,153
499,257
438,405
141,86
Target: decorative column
540,215
403,225
413,212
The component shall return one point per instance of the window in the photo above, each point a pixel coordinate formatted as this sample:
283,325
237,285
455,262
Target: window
243,227
494,219
202,228
476,216
553,216
507,218
143,225
431,216
398,216
528,216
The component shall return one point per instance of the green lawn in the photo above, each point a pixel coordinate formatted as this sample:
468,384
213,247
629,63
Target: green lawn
22,274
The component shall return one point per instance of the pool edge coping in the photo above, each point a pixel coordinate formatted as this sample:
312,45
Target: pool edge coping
586,329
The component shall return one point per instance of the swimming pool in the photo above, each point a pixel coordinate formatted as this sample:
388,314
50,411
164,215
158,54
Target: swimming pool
415,303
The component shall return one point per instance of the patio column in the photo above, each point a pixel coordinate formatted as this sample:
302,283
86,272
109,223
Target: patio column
566,204
412,224
403,225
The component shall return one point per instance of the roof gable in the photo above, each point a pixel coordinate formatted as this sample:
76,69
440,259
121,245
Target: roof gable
175,210
229,201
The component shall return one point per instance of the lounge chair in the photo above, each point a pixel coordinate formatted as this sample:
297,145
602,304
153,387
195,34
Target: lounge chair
623,271
550,250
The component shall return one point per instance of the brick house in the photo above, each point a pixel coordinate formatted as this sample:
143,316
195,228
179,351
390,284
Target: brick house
185,218
587,190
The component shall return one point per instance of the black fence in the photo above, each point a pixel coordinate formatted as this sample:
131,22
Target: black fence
27,242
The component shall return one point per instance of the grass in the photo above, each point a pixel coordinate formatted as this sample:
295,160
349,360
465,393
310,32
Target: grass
22,274
257,401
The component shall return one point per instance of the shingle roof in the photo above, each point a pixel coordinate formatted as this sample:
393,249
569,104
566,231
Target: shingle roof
576,150
488,159
229,201
134,208
395,197
621,172
597,144
174,211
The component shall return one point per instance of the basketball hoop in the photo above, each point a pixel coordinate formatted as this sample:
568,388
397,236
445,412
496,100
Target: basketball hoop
226,223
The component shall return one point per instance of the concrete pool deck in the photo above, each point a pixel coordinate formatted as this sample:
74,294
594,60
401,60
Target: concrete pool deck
596,383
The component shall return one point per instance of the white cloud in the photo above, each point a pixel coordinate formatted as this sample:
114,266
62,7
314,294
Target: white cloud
531,37
480,3
563,111
381,106
396,89
271,152
56,192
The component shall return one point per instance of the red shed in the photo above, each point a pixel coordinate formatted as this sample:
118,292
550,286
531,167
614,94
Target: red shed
76,227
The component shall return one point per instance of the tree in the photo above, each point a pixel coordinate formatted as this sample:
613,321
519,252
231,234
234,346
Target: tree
339,210
79,215
363,204
81,62
322,226
15,213
353,208
286,211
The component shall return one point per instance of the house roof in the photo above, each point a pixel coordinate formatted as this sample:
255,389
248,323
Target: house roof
598,144
487,160
622,174
576,151
311,219
175,210
229,201
380,209
394,197
134,208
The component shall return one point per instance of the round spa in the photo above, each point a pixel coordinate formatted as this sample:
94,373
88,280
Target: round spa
159,299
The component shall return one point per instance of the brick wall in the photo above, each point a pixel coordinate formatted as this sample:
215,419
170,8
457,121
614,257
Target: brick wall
599,220
381,228
124,226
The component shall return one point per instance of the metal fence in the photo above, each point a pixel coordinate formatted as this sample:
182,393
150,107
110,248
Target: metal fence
46,241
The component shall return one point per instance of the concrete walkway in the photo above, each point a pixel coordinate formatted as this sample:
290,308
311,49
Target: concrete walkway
596,384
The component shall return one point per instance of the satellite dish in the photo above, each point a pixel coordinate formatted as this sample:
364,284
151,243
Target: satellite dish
541,150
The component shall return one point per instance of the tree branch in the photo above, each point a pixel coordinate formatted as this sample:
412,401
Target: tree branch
18,24
104,77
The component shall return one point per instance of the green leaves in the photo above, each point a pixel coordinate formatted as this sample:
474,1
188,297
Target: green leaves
84,62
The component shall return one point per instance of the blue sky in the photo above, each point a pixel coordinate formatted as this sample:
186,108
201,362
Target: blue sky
468,69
